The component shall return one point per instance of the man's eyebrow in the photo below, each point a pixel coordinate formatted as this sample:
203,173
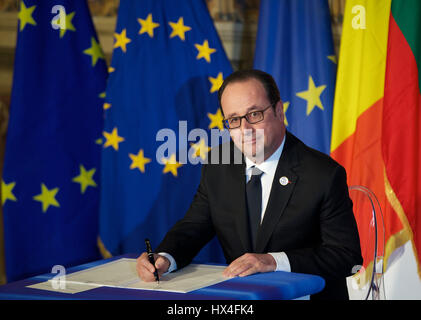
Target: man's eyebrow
249,109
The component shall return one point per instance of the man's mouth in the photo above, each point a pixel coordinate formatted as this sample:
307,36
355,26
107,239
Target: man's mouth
250,140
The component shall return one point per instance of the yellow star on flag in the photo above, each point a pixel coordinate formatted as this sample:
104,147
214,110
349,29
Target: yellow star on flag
204,51
25,16
106,106
94,51
200,149
333,59
47,197
85,178
113,139
139,161
286,106
68,25
216,82
6,192
216,120
121,41
171,165
312,95
147,25
179,29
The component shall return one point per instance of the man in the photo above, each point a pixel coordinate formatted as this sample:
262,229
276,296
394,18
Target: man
304,215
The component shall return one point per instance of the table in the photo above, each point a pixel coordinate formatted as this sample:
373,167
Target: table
263,286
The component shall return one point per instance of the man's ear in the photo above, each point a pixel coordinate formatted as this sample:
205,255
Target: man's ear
279,109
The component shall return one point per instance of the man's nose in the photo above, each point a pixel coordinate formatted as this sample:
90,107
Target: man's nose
246,128
245,124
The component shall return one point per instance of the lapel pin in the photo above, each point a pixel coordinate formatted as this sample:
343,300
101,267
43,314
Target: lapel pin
283,181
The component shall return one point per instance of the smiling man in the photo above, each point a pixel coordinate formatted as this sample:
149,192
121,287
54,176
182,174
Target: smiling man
256,123
284,208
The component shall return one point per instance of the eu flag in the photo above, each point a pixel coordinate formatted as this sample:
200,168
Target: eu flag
167,66
294,44
50,186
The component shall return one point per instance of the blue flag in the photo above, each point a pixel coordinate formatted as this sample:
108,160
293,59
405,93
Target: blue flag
168,64
294,44
50,185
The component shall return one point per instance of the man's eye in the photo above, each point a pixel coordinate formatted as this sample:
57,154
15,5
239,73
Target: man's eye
233,120
254,115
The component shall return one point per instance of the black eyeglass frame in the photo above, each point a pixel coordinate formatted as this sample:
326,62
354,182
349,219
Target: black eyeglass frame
226,121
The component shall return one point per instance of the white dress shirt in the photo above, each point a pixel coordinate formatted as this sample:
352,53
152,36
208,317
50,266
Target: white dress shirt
268,168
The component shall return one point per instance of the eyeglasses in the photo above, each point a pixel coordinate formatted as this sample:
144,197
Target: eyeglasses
251,117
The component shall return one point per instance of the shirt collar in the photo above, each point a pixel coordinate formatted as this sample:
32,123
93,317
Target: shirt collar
269,165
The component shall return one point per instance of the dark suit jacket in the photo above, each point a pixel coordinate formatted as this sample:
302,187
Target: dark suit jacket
310,219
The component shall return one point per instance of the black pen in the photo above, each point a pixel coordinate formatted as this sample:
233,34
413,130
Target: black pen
151,258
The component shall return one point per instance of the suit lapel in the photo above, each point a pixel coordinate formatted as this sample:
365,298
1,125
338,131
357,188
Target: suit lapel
241,218
279,194
237,185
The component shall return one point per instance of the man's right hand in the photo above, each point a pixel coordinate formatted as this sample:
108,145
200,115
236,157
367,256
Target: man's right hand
145,269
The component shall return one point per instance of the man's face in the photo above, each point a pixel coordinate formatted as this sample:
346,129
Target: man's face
240,98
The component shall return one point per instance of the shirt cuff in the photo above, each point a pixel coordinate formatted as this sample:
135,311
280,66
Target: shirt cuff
282,262
173,264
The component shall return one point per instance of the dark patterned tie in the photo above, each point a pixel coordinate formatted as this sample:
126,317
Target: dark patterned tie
254,203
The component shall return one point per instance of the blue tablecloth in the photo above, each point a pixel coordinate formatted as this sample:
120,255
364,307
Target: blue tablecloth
262,286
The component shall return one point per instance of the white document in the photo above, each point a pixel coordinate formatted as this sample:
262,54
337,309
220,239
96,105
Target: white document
69,288
122,274
192,277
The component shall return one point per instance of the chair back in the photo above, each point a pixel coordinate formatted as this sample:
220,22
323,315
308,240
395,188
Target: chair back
368,279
